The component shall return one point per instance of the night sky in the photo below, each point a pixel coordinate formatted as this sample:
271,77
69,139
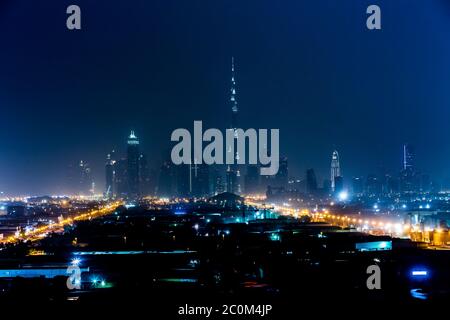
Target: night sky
309,68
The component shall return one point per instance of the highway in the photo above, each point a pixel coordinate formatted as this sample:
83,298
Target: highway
41,232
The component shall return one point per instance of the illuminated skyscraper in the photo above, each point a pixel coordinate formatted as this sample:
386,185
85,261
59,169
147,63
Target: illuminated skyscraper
409,181
335,169
109,175
234,106
233,173
408,158
133,165
80,178
216,180
86,179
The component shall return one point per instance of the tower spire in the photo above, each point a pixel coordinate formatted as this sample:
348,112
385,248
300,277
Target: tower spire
234,106
233,174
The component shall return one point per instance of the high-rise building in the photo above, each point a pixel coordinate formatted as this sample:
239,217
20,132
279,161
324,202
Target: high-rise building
409,181
335,169
145,185
80,180
357,186
392,184
233,172
85,176
133,165
281,178
408,157
120,178
216,180
200,180
252,179
231,180
109,175
373,185
311,181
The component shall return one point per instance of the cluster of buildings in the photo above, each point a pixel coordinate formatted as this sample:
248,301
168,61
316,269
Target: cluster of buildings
131,176
409,180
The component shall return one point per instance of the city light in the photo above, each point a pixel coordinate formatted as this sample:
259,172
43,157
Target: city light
350,208
420,273
343,195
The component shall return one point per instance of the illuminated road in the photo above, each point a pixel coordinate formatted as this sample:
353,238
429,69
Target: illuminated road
41,232
391,227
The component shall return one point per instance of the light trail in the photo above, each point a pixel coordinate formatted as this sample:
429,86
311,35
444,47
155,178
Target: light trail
42,232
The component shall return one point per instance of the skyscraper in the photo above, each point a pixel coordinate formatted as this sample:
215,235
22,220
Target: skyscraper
335,169
373,185
216,180
233,173
109,175
408,176
408,157
120,178
80,178
145,186
311,181
86,180
200,180
133,165
357,186
281,178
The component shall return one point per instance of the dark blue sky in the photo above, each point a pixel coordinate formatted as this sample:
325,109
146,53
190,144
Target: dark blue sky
310,68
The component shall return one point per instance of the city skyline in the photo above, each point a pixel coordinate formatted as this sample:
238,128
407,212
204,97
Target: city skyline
317,81
208,159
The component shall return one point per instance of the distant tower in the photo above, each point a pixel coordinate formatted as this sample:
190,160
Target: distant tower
144,176
335,169
281,178
408,175
234,106
133,165
85,178
109,175
311,181
120,178
233,173
408,158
